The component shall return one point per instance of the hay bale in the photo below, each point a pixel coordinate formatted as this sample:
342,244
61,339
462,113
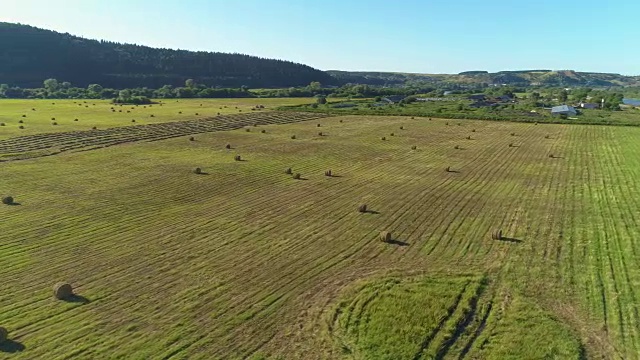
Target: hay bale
288,171
20,122
414,147
401,127
263,131
385,236
62,291
513,134
447,169
510,144
383,138
392,134
318,125
320,133
456,147
328,173
496,235
237,158
362,208
473,130
54,123
197,171
7,200
468,137
551,155
247,130
2,124
293,137
297,176
192,138
20,127
228,146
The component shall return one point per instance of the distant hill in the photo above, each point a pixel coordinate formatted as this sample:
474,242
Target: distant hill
519,78
29,55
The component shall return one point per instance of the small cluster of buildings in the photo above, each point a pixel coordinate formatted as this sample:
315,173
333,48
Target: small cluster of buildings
481,100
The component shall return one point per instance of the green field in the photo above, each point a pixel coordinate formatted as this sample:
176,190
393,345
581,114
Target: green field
246,262
38,114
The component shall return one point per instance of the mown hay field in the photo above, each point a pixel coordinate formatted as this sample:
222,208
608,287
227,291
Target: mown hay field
39,116
243,261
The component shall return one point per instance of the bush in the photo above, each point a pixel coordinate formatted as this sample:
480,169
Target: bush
7,200
62,291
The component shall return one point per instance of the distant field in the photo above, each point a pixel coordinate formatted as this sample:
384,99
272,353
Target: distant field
98,113
246,262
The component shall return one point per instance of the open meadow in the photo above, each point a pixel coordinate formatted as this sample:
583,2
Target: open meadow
244,261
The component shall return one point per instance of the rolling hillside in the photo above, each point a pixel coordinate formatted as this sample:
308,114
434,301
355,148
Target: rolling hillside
29,55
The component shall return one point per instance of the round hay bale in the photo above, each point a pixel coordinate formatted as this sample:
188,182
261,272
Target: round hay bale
385,236
237,158
297,176
263,131
4,335
510,144
551,155
513,134
318,125
497,235
20,127
414,147
288,171
328,173
401,127
456,147
447,169
383,138
320,133
20,122
362,208
54,123
133,120
192,138
247,130
340,120
293,137
197,171
7,200
2,124
392,134
228,146
62,291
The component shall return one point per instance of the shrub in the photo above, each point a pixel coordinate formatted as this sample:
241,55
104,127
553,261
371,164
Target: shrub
362,208
151,115
444,123
62,291
197,114
179,112
551,155
328,173
297,176
340,120
94,128
468,137
473,130
237,158
7,200
228,146
385,236
197,171
288,171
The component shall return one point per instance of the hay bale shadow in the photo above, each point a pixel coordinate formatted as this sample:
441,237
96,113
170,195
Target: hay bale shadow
203,173
511,240
397,242
373,212
14,204
11,346
75,298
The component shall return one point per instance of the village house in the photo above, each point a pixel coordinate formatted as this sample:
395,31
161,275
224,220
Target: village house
564,110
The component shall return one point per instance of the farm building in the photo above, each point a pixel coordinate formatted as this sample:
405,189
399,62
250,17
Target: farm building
477,97
589,106
563,110
393,99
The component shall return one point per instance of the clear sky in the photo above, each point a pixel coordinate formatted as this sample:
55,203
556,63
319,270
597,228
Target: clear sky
424,36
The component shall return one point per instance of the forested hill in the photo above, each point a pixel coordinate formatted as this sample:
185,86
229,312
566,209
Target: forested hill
29,55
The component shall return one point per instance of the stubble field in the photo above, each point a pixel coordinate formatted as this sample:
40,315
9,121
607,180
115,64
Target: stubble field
245,262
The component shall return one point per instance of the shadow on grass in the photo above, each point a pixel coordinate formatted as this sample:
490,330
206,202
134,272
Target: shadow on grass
203,173
372,212
10,346
333,176
14,204
454,171
79,299
397,242
511,240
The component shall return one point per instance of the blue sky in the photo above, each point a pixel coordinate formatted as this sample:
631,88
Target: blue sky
428,36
